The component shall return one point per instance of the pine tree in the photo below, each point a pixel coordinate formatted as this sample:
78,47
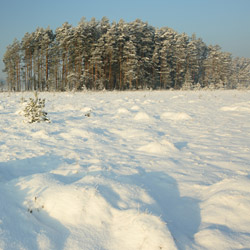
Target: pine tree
111,55
97,54
63,36
180,57
28,52
47,42
240,73
129,66
34,110
12,61
156,60
192,61
167,61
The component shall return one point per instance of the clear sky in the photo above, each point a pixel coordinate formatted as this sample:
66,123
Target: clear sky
222,22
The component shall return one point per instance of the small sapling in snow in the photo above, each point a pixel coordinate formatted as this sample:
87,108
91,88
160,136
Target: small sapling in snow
34,112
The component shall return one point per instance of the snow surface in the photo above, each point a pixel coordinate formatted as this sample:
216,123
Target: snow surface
126,170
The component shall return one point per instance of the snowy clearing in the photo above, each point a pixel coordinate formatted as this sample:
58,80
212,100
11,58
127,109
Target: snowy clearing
126,170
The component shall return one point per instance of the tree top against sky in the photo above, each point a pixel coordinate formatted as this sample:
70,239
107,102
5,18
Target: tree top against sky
223,22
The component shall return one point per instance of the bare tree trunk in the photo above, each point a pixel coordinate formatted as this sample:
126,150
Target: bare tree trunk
47,65
110,72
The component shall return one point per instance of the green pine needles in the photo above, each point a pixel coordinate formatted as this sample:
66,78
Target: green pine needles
34,110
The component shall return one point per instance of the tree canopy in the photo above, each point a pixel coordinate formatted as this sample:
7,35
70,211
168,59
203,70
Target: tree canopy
102,55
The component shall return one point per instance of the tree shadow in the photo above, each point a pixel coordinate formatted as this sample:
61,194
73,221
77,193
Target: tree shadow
36,165
181,214
181,145
20,225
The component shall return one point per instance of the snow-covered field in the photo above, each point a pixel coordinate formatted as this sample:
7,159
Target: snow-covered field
126,170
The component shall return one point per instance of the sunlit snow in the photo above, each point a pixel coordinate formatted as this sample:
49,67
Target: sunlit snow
126,170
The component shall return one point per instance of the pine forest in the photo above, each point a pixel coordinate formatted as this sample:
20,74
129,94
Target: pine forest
97,55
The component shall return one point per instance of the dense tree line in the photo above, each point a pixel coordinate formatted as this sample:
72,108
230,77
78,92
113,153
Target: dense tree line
99,54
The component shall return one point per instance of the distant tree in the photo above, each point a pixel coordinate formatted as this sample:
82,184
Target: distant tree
217,67
156,59
111,55
129,65
64,36
211,66
166,60
142,36
240,73
47,42
12,61
2,85
27,46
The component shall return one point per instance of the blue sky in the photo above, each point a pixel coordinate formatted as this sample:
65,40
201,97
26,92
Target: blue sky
222,22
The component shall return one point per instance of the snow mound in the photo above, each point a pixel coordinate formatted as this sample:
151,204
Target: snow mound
126,171
162,147
67,169
122,111
179,116
177,96
92,209
128,133
65,107
79,132
86,109
42,134
66,136
142,116
135,107
225,208
243,106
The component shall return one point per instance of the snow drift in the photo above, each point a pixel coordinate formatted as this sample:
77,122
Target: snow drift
144,170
